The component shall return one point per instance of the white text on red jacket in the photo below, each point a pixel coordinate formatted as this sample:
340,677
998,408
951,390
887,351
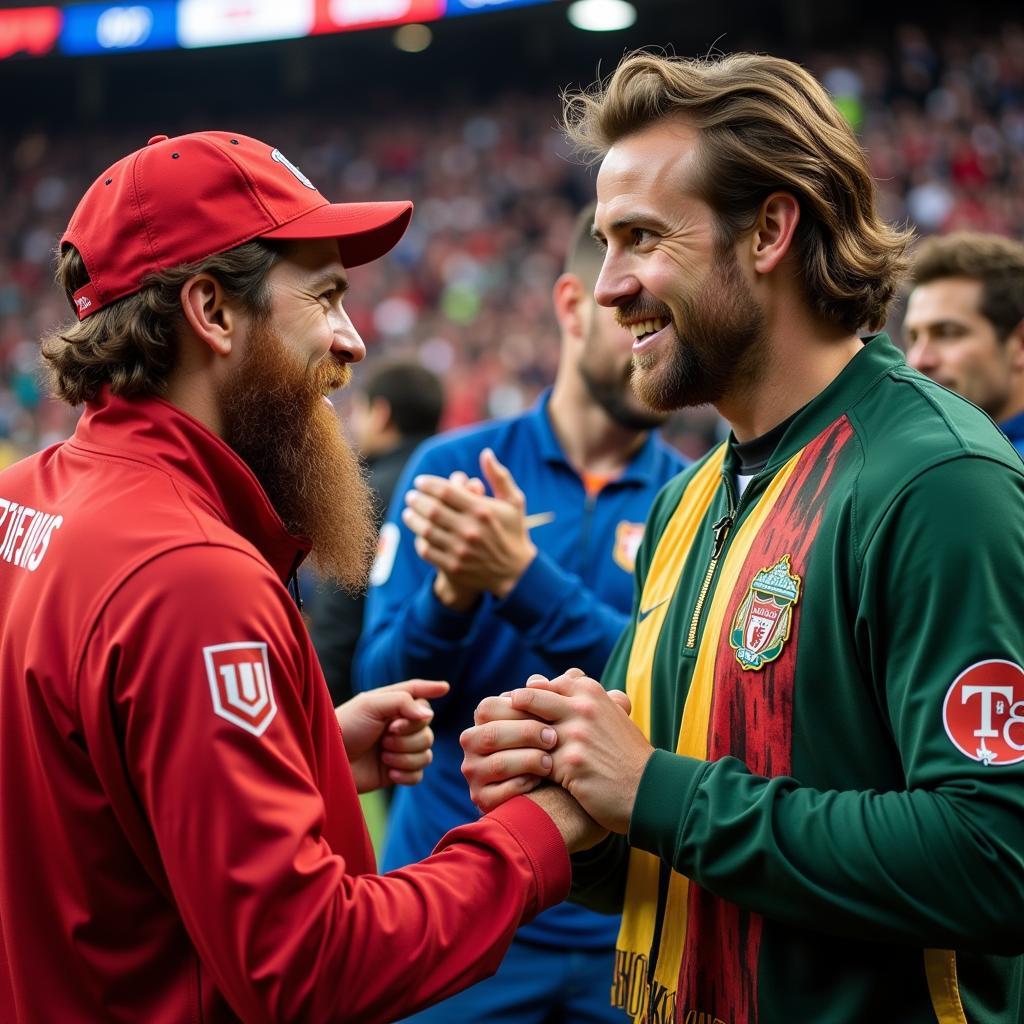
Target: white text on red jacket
26,533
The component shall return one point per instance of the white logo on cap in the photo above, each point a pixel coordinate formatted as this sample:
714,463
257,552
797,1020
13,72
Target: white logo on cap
83,302
282,159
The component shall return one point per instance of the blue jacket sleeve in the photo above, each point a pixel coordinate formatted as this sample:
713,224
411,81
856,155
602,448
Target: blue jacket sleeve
407,632
560,618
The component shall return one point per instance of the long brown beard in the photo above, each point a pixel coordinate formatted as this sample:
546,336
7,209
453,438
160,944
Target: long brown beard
275,417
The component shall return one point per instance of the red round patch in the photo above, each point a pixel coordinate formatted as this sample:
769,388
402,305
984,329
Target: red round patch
984,712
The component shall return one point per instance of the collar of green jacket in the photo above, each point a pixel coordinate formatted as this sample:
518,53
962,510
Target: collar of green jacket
877,358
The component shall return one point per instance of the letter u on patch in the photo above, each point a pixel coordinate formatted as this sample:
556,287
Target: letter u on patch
239,677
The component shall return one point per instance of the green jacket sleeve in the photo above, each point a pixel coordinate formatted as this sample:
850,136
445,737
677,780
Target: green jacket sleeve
599,876
939,863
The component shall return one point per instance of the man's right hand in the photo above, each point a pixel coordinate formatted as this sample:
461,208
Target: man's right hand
578,829
506,752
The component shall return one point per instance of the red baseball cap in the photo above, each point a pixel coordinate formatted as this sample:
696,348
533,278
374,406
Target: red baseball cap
180,200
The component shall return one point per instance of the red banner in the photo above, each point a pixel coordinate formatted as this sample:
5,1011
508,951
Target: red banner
345,15
30,30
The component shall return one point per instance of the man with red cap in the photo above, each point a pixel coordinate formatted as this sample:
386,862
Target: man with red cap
183,838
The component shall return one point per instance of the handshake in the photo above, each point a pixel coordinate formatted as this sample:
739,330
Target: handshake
568,731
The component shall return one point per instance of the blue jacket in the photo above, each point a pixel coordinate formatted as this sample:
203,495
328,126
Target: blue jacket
568,609
1013,428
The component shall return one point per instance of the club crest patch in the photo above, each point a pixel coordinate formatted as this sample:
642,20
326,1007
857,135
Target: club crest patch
387,548
239,677
627,544
760,627
983,712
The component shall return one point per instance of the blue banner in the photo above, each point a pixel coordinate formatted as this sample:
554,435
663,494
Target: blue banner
457,7
111,28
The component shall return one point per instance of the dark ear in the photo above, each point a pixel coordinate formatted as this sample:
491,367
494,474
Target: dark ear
570,299
380,414
1015,347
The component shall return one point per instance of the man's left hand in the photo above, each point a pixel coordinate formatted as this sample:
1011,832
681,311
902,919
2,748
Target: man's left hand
600,754
387,733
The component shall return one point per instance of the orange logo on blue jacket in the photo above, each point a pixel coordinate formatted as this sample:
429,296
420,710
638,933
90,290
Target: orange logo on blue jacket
760,628
627,544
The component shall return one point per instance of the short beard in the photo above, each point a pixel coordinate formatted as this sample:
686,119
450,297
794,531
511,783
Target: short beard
613,397
724,347
277,420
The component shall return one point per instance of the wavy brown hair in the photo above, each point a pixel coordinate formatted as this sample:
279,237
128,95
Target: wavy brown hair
132,343
766,125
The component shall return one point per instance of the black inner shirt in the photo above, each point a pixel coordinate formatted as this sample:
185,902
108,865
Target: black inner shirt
753,455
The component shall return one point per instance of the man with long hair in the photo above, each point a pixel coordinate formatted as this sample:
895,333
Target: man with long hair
183,837
817,804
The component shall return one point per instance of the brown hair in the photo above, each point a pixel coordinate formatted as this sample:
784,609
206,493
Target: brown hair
997,263
132,343
765,125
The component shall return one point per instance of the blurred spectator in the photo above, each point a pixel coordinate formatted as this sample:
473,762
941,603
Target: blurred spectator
964,325
401,407
466,293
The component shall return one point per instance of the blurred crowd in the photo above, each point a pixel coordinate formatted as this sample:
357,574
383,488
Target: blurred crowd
467,293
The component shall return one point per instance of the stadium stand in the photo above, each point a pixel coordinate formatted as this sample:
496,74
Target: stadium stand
467,292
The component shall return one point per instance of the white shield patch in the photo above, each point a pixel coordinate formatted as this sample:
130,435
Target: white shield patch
387,548
239,676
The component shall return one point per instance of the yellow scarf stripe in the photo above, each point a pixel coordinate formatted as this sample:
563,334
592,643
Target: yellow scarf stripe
638,922
637,933
693,734
940,969
660,585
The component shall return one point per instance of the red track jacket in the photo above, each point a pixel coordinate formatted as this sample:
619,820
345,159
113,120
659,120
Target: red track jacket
182,839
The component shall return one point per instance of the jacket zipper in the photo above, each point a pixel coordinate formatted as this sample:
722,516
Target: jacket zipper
589,504
293,581
721,530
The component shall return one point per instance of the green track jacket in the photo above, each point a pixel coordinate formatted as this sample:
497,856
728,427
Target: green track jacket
831,828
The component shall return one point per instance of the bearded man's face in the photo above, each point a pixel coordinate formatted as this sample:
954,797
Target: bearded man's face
674,281
712,342
276,416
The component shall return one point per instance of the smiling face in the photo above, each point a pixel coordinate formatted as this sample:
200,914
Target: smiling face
308,286
699,332
277,418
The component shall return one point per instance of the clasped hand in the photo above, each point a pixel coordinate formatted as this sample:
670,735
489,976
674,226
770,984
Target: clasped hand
477,543
567,729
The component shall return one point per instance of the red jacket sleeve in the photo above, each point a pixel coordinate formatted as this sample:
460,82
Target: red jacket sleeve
211,728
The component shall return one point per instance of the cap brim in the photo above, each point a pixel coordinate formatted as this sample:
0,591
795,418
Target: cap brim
365,231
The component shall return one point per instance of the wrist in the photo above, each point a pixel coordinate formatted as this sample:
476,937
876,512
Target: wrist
577,829
451,596
505,586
